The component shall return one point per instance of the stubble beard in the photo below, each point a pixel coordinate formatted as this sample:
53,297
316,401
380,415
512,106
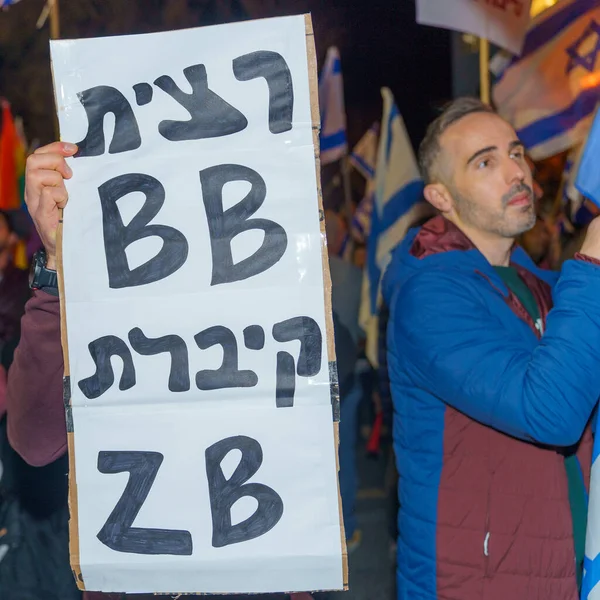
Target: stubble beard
473,215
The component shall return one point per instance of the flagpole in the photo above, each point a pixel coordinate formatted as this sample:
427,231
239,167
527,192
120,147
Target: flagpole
484,70
54,20
54,15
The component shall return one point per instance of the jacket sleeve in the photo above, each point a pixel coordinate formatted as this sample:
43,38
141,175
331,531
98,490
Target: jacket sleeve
35,410
453,347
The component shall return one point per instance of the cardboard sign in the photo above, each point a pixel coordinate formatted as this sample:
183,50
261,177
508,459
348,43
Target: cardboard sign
201,388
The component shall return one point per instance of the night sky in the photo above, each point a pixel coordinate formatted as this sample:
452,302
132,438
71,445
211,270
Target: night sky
384,46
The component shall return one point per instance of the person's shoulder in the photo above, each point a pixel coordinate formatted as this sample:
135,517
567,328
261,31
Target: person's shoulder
432,294
436,284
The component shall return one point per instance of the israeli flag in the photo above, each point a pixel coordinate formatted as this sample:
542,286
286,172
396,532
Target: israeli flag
364,154
360,226
334,145
364,160
398,205
550,92
588,174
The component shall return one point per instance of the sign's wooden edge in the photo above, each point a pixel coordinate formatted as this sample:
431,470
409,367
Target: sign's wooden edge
316,127
72,496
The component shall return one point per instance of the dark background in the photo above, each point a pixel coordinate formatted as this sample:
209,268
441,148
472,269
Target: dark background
379,42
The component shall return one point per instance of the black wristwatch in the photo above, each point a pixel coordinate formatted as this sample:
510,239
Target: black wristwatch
41,278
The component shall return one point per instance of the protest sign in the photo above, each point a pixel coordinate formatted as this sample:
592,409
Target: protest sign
201,391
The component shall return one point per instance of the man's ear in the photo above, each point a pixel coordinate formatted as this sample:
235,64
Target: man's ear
438,195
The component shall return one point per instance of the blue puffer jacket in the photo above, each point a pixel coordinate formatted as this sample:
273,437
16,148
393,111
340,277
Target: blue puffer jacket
481,406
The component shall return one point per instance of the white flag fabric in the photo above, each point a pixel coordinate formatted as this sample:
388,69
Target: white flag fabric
334,145
502,22
550,92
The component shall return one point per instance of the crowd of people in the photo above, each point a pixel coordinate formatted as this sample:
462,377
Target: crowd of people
486,374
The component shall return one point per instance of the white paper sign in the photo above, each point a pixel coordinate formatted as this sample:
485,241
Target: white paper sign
195,309
503,22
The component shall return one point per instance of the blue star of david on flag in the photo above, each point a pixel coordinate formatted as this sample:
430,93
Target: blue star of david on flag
587,61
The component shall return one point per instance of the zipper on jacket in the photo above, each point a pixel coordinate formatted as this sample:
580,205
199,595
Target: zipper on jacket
487,538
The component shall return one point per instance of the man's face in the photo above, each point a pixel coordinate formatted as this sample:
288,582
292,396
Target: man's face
483,166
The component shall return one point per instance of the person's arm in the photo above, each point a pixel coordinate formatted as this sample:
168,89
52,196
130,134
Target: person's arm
457,350
36,418
36,414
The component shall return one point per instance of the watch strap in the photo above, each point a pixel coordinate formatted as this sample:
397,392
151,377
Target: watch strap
43,278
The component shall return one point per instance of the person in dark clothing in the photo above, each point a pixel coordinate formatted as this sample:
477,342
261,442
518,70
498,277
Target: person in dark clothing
346,356
34,538
14,291
346,282
36,416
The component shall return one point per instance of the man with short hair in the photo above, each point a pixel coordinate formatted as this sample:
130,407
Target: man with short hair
495,372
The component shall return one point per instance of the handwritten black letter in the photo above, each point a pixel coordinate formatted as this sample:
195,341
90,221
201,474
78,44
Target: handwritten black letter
98,101
307,331
179,378
227,375
101,351
224,225
118,533
224,493
210,115
117,236
274,69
